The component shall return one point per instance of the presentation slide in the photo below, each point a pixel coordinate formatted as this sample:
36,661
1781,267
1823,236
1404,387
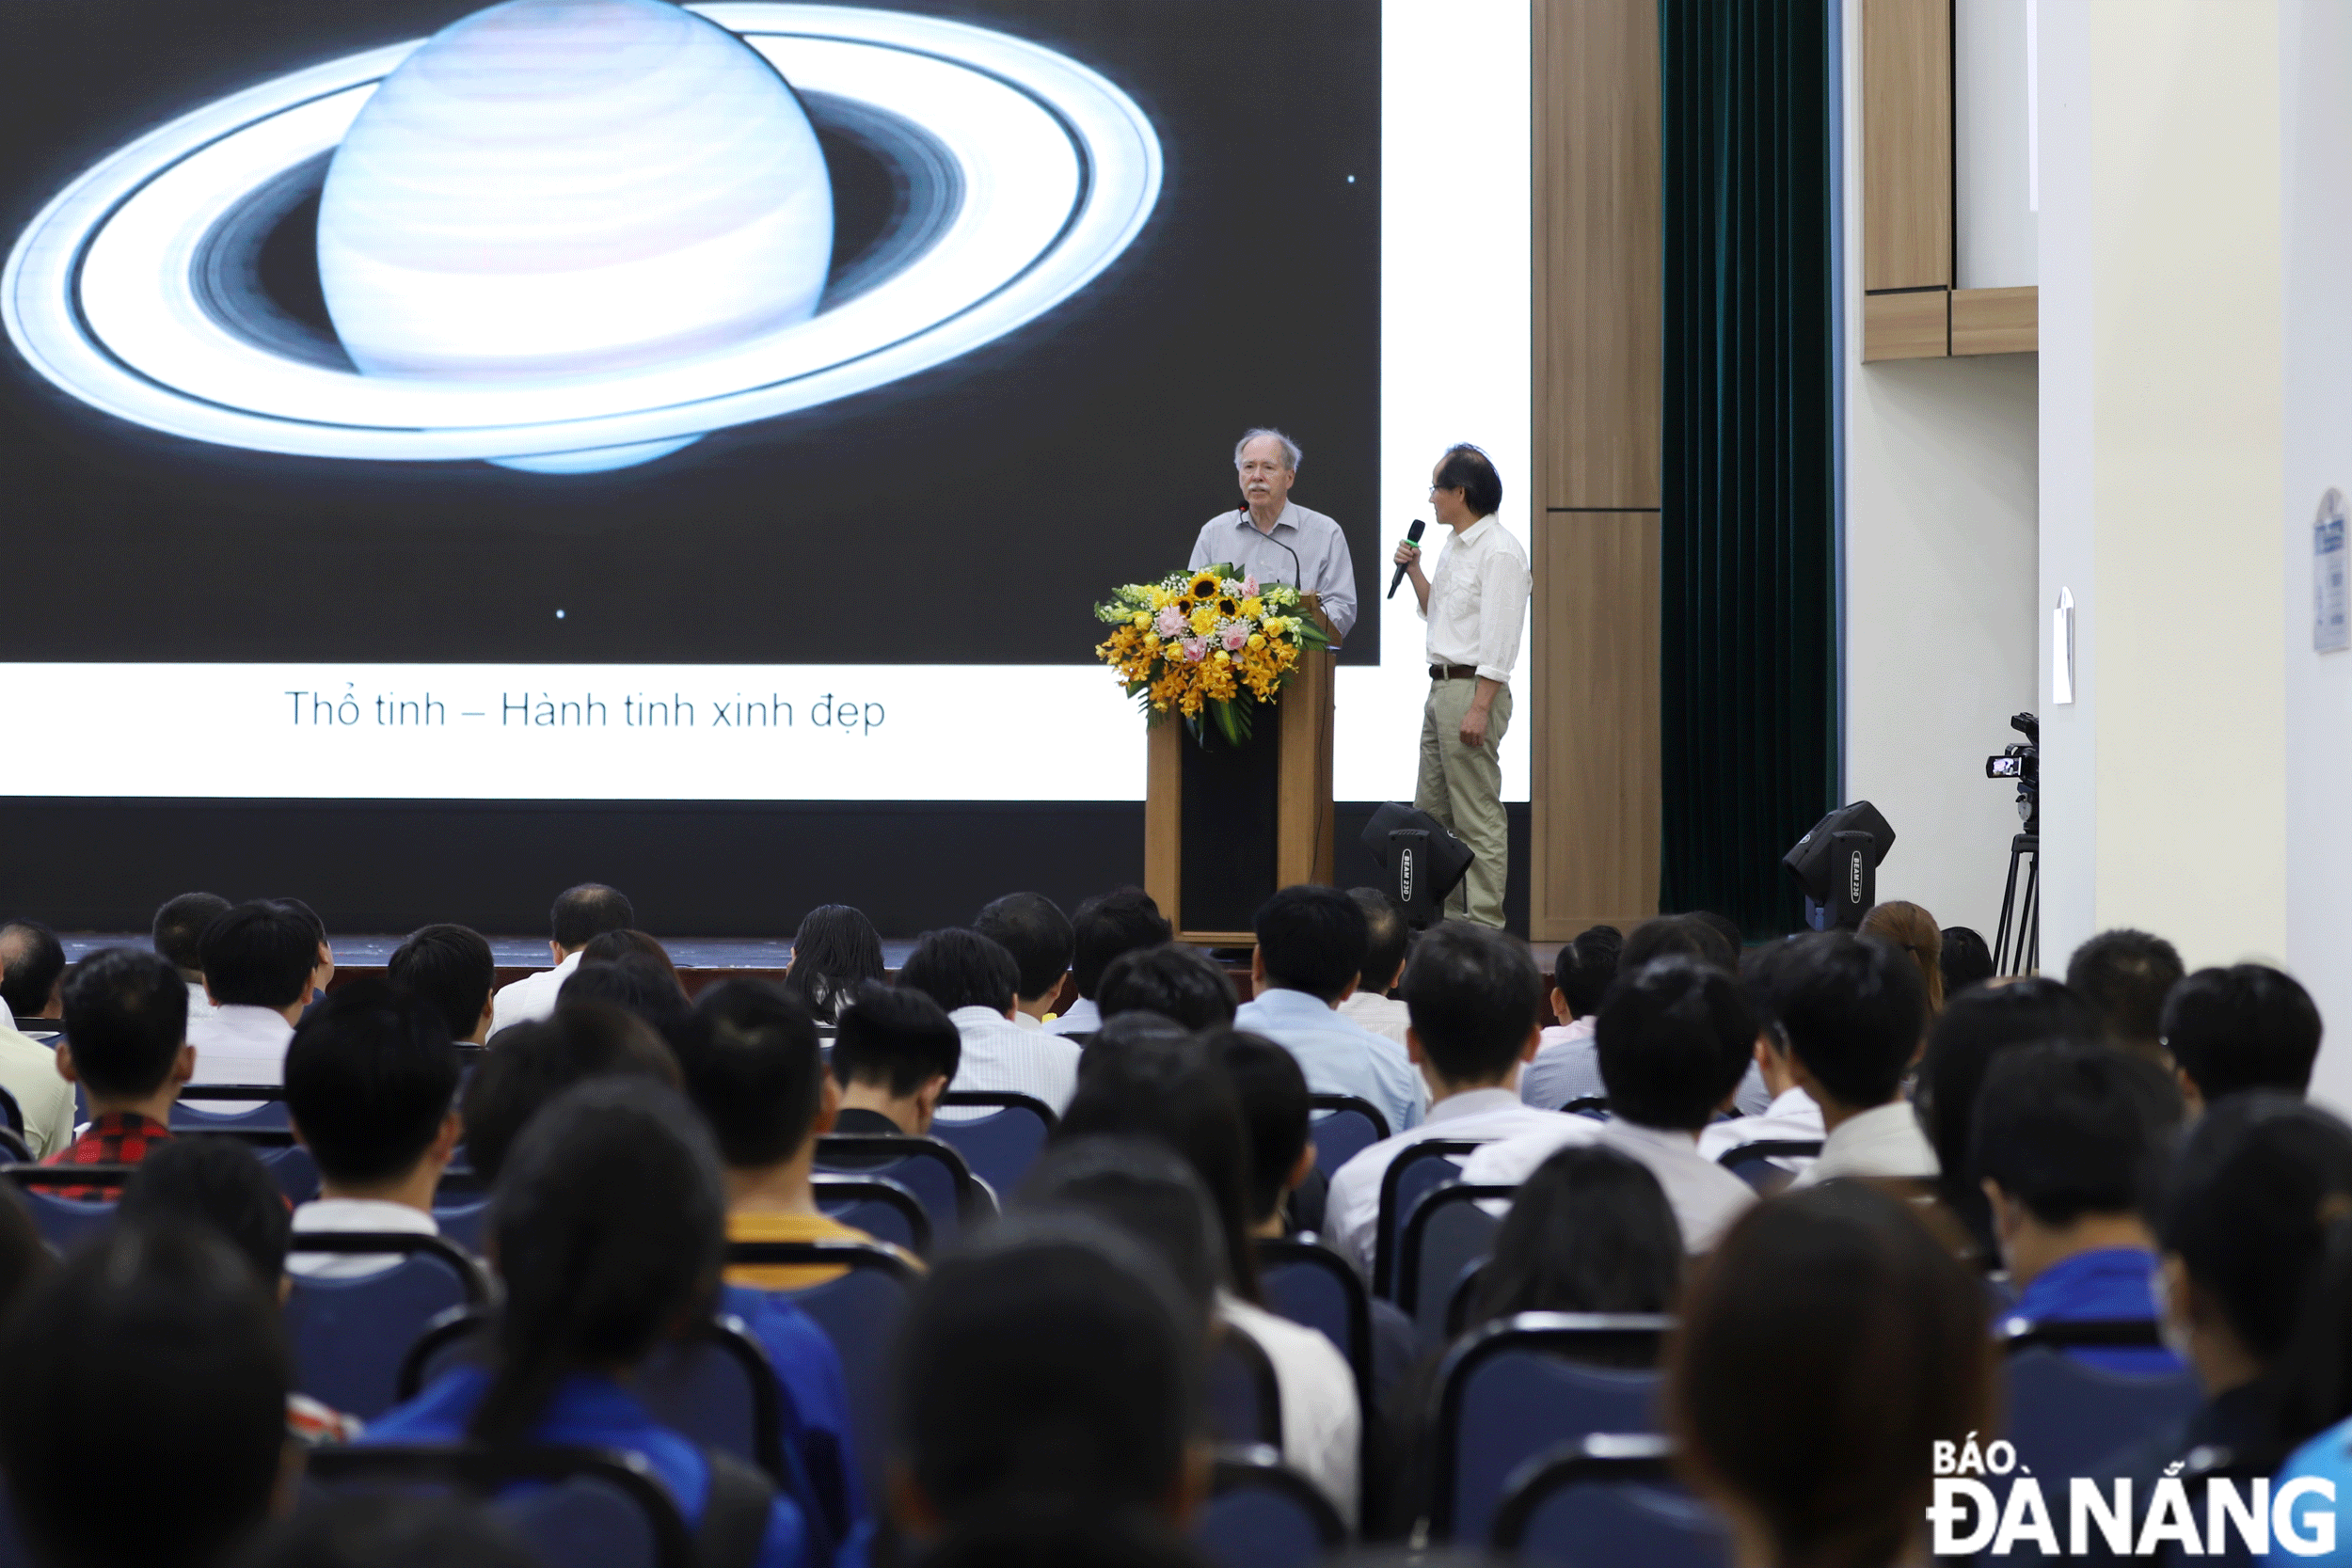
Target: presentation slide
606,398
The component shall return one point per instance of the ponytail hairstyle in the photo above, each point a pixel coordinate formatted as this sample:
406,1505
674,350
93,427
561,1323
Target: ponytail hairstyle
608,1222
1913,929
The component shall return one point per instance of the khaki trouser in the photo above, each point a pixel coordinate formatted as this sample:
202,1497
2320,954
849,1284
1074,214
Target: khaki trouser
1462,787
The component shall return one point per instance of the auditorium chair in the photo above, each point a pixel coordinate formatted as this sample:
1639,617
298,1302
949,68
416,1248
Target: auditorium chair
12,1114
461,1207
1604,1500
573,1508
1344,1126
860,1313
63,1221
350,1337
1001,1147
1310,1284
1446,1236
1263,1514
927,1167
1417,1170
1755,1163
1595,1106
1245,1398
1519,1386
269,1115
2066,1414
877,1205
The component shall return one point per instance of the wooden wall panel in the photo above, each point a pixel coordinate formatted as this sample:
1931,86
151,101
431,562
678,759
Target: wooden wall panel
1593,665
1996,320
1906,144
1914,325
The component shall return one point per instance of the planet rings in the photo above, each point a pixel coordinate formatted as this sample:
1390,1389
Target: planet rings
1050,173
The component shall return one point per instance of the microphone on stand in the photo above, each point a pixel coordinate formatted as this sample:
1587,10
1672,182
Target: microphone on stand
1412,536
1298,573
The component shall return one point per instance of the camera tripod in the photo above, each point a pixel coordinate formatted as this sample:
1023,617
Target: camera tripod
2025,848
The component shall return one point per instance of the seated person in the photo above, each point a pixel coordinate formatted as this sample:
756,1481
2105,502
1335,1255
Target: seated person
1791,1116
1369,1004
1567,1068
2072,1145
534,1062
974,983
894,1054
1105,926
1911,927
2125,976
1828,1343
1471,992
1675,1039
836,953
452,967
608,1232
1966,960
749,1060
126,1032
633,983
32,964
371,1091
1853,1008
1311,942
2245,1027
1033,929
152,1352
259,960
1174,981
580,914
178,934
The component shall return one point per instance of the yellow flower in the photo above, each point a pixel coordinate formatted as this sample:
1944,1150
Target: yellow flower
1203,621
1257,639
1142,619
1203,585
1253,607
1151,639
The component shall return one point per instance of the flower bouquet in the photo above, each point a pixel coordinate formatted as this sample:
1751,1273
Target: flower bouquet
1208,645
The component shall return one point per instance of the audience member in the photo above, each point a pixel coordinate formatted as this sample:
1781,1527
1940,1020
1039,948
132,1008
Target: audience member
1105,926
2125,976
1967,959
1471,992
974,981
1711,939
371,1091
1853,1008
1567,1068
895,1054
2071,1146
580,914
1174,981
179,936
452,967
1177,1091
1675,1037
2245,1027
1033,929
1962,1045
322,967
540,1059
835,952
1791,1116
1914,930
633,983
394,1530
607,1228
1827,1345
1370,1004
126,1033
258,962
152,1360
32,962
628,943
29,1072
1311,942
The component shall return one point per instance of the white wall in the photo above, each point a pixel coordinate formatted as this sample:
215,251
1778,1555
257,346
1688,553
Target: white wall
1992,193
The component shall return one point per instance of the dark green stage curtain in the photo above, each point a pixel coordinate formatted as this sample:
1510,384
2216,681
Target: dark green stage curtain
1748,548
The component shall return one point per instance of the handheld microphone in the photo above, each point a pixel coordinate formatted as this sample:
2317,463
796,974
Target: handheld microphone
1412,536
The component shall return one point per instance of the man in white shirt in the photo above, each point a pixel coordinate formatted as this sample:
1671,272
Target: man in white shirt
1310,948
28,1071
1369,1004
1275,540
1567,1065
32,963
1476,609
1106,925
1033,929
1673,1037
258,962
1471,992
580,916
371,1091
974,981
1854,1009
178,935
1791,1118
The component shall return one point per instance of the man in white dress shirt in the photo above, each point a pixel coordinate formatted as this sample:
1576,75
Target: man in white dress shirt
580,916
1854,1009
1567,1065
1791,1118
1275,540
32,966
1106,925
973,980
178,935
1310,947
1471,992
1475,608
1369,1004
1033,929
1673,1037
260,959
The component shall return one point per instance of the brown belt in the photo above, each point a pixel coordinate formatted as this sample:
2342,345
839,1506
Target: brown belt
1454,672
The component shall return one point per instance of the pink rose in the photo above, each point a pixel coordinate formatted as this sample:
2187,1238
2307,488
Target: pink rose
1234,636
1171,622
1250,586
1195,649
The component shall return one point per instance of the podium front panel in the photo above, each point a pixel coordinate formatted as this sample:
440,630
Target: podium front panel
1230,861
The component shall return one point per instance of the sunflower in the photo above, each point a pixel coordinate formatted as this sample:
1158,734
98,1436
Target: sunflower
1228,607
1203,585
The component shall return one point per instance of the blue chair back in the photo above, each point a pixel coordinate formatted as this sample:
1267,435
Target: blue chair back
188,1114
877,1205
64,1221
573,1508
350,1336
291,1166
1262,1515
1417,1169
463,1222
1755,1164
859,1314
2065,1414
1245,1400
1605,1500
1310,1284
1344,1126
928,1168
1446,1236
1510,1391
1000,1147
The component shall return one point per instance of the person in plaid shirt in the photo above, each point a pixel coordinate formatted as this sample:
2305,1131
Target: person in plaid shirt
126,1020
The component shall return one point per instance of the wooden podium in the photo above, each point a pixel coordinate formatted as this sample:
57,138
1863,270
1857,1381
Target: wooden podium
1229,826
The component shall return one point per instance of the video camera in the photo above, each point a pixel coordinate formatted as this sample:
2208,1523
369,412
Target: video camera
2022,761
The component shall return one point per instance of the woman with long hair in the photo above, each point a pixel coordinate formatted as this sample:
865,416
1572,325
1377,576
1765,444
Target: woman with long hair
836,950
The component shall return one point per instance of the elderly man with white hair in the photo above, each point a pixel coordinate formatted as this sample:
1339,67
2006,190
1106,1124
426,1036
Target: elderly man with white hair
1275,540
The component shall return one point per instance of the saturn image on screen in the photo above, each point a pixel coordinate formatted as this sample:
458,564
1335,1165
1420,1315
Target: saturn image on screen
572,235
